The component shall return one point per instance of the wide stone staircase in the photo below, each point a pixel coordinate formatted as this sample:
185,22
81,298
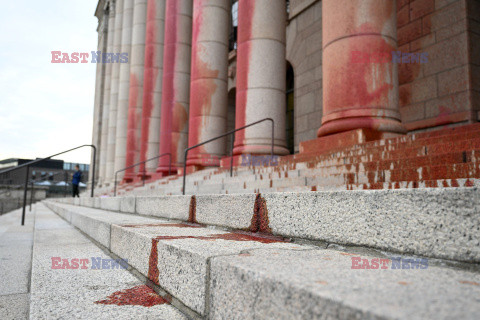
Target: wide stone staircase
441,158
367,254
242,248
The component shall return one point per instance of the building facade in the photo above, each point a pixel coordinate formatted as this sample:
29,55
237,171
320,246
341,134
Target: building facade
199,68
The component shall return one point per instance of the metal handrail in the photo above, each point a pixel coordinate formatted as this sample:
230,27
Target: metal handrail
28,164
143,172
231,151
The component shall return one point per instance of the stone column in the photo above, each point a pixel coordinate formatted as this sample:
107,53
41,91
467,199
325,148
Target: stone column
106,96
360,87
99,90
124,89
152,84
176,82
137,61
208,86
261,76
112,117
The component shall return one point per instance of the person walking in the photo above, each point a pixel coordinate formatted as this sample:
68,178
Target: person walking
77,177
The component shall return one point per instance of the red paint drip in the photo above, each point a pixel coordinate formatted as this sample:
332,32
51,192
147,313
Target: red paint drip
136,296
260,222
192,211
153,262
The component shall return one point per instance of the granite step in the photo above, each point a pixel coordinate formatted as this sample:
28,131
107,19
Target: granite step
218,273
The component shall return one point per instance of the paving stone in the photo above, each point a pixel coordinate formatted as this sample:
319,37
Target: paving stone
73,293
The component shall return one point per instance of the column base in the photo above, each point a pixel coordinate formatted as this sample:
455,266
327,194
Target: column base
260,150
379,125
343,140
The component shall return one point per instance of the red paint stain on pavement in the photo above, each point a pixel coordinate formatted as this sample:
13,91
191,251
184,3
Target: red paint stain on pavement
136,296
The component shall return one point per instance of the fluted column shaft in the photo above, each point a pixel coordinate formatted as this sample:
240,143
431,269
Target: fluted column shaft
124,89
363,93
136,87
106,96
208,86
176,82
152,84
115,77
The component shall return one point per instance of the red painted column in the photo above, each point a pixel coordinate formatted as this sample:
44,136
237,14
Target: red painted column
261,76
152,84
176,83
136,87
360,82
209,76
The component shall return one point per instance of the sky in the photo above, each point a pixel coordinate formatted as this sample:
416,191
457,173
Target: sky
46,108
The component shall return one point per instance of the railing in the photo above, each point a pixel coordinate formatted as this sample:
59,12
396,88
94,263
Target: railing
231,150
27,168
143,172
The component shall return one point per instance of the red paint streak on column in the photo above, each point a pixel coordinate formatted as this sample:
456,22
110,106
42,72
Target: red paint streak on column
150,78
136,296
246,10
168,141
133,117
359,94
202,89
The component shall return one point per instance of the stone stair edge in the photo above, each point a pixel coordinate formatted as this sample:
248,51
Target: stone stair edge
375,218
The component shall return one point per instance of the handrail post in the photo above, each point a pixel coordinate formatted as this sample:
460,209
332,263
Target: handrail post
184,171
93,169
231,155
25,194
115,185
31,196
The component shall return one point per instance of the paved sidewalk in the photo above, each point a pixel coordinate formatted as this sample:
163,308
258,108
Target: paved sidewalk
15,264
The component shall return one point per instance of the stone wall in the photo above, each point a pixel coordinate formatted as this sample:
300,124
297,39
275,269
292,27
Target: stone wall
443,91
438,92
304,52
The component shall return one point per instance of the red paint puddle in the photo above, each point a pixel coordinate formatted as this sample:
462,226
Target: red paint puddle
136,296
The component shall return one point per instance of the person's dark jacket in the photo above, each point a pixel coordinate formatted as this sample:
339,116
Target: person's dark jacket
77,176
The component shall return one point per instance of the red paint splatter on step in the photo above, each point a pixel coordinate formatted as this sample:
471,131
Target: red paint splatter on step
231,236
173,225
136,296
259,222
